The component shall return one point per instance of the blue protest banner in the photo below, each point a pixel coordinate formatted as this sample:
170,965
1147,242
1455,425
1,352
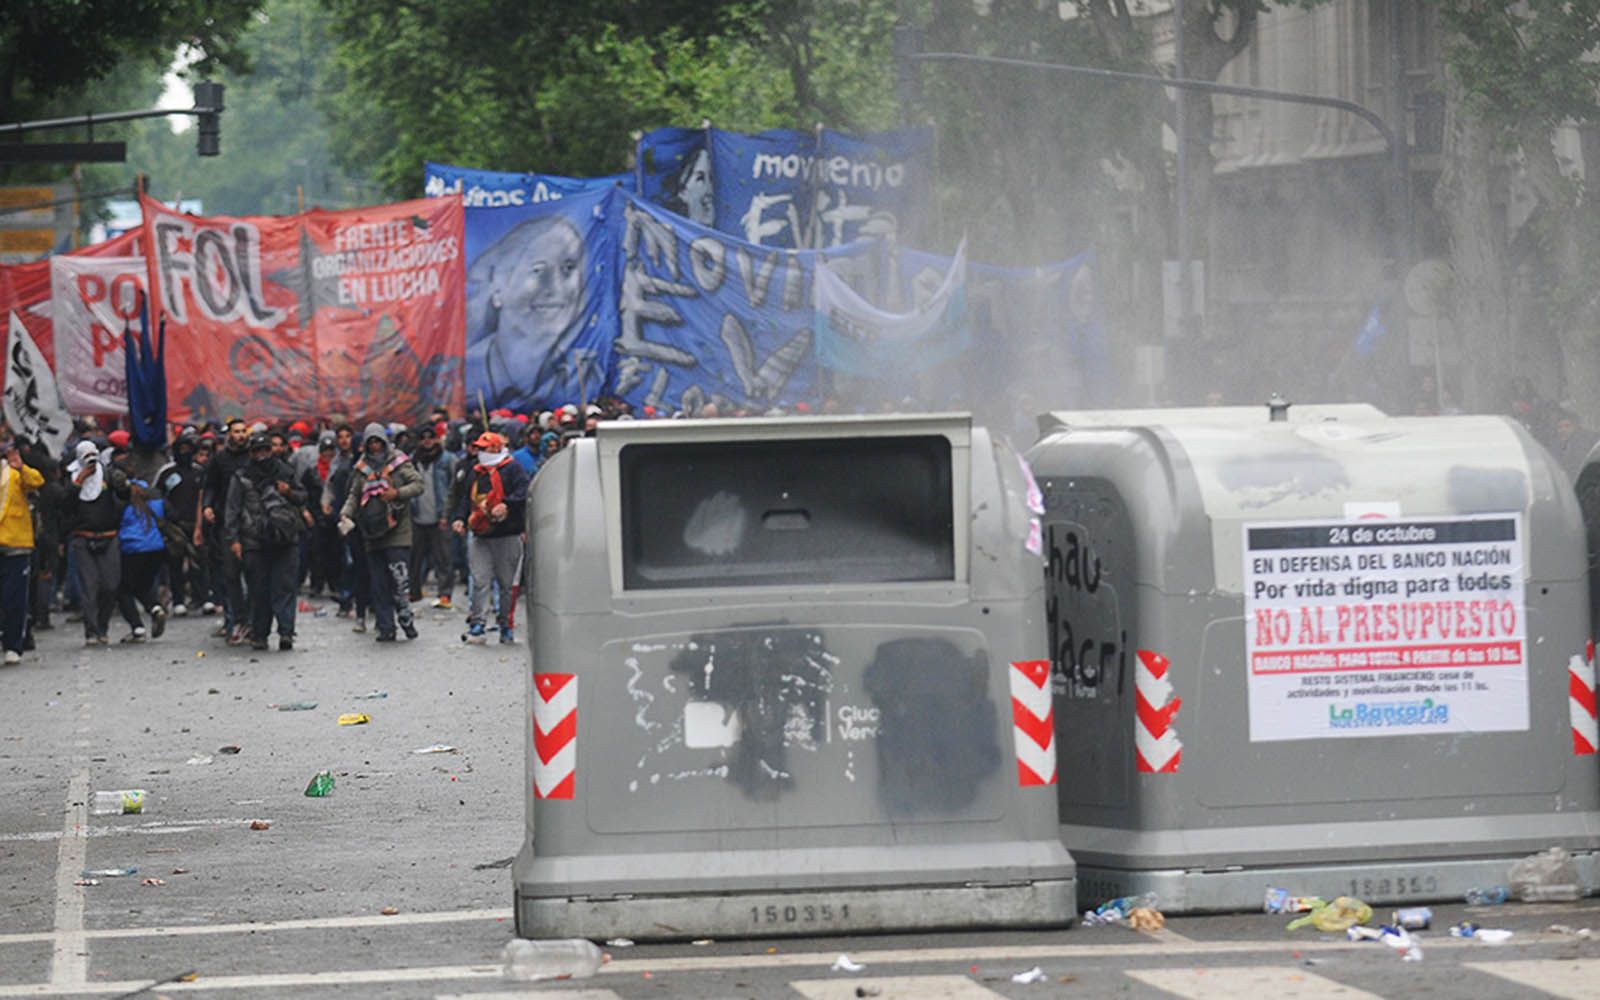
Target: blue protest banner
542,300
708,318
857,338
501,189
872,185
672,168
766,185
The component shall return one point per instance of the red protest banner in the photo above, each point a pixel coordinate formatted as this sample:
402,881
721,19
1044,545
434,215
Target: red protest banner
25,288
357,312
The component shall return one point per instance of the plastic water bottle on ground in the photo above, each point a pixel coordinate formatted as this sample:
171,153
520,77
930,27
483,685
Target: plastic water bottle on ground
123,800
1492,896
527,961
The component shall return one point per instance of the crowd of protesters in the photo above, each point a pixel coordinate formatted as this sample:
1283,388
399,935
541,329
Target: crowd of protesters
241,520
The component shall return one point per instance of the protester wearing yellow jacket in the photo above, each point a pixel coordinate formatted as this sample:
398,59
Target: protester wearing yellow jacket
16,547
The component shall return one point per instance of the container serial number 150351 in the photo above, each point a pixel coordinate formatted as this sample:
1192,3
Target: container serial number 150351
795,913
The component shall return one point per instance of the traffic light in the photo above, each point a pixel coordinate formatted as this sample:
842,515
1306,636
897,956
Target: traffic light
208,95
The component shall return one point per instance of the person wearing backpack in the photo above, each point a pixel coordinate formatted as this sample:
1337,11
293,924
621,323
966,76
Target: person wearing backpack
489,512
382,485
264,522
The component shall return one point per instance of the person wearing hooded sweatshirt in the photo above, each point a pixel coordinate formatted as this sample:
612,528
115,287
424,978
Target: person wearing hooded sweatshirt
93,517
144,551
378,506
17,480
430,542
180,483
214,519
265,521
489,513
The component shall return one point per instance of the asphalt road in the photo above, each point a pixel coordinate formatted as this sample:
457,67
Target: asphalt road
302,907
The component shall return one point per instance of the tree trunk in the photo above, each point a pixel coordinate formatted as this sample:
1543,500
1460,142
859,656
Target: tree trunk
1478,300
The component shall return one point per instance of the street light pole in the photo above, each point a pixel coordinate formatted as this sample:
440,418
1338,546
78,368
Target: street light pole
1181,120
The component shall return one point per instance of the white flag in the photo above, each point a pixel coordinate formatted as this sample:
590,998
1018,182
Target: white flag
32,403
94,299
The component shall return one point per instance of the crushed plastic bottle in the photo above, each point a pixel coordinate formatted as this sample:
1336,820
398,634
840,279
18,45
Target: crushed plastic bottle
321,785
1115,911
1549,876
123,800
1492,896
529,961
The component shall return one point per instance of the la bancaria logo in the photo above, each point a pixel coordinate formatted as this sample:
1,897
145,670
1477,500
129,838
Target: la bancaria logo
1381,715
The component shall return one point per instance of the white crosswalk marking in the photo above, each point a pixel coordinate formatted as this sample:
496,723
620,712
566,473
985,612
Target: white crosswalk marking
894,988
1230,983
1574,979
541,994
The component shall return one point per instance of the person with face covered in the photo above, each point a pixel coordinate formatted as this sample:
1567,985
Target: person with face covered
265,521
95,498
490,515
382,484
180,483
525,305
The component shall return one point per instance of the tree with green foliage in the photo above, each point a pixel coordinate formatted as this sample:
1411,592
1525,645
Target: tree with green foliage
1522,88
561,87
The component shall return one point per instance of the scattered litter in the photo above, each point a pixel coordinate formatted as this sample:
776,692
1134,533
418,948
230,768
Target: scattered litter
1414,918
199,759
620,943
843,964
321,785
869,991
1492,935
1492,896
154,881
295,706
1465,929
1549,876
320,613
1340,915
372,696
199,654
123,800
261,824
702,942
1143,918
389,911
1565,931
213,691
86,881
1279,901
230,749
1115,911
436,748
180,871
1397,938
354,719
304,607
109,872
1033,975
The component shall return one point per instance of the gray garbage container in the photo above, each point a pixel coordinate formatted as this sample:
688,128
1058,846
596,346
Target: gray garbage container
1339,654
787,677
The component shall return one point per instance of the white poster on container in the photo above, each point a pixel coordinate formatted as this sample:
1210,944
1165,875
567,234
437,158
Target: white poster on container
1385,627
94,299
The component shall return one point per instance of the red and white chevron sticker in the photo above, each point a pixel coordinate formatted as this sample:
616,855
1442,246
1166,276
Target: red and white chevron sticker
1033,722
1581,702
555,735
1156,747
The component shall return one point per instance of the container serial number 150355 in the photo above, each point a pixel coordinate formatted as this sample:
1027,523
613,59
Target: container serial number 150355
1382,887
818,913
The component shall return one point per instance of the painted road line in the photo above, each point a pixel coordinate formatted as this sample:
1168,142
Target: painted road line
266,926
555,994
156,828
274,981
69,962
1232,982
894,988
1573,979
1167,934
